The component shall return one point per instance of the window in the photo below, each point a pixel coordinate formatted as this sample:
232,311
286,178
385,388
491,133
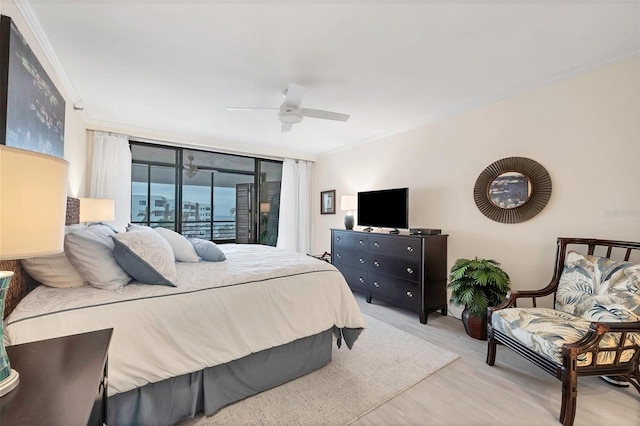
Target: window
217,193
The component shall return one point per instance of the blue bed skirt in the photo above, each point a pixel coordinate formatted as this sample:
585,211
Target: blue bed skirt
172,400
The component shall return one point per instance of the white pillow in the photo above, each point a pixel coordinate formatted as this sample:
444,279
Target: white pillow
55,270
182,248
146,256
90,251
135,228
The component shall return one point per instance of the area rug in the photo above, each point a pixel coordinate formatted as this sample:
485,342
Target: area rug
383,363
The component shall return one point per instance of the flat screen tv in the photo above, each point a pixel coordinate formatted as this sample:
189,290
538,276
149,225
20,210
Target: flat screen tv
387,208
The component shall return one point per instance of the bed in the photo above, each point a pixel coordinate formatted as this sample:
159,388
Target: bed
225,331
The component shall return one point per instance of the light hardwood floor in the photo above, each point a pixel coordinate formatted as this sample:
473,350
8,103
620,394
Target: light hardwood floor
469,392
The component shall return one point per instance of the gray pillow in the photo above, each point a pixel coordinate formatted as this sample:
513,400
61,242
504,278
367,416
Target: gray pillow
208,250
90,251
55,270
146,256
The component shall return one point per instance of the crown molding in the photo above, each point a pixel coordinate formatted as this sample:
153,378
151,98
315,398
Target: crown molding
479,103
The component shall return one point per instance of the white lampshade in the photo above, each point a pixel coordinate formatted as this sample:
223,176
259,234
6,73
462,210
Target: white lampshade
33,202
96,209
348,202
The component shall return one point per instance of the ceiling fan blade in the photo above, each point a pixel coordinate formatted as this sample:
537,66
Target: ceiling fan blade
326,115
294,95
286,127
250,109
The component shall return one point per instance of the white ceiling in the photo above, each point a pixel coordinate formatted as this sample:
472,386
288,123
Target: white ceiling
171,67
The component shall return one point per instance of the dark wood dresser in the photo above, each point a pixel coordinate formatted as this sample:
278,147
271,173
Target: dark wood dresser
63,381
409,271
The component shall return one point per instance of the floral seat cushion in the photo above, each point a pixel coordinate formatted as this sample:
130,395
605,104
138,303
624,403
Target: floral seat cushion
545,330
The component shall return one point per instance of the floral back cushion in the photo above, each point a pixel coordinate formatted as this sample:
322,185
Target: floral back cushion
599,289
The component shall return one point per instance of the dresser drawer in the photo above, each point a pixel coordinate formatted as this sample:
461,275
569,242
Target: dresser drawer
353,258
351,240
399,246
406,268
401,292
356,278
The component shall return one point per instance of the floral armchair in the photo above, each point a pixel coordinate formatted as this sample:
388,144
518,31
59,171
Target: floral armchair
594,327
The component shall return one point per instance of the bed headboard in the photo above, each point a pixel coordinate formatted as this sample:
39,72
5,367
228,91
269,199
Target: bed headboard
21,283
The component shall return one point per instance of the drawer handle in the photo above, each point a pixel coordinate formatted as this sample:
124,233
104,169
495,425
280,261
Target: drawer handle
377,244
338,255
410,294
361,242
376,263
409,270
361,260
375,283
409,248
361,279
338,238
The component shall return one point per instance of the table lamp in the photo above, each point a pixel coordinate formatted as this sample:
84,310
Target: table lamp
348,203
33,199
96,210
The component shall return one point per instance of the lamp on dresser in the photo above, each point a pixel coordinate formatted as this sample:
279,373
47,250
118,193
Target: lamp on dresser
33,197
348,203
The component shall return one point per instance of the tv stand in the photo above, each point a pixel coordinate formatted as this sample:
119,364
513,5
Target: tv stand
394,231
409,271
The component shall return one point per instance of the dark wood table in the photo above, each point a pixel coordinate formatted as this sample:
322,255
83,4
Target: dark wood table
63,381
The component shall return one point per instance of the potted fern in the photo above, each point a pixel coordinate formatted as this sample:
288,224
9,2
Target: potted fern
477,284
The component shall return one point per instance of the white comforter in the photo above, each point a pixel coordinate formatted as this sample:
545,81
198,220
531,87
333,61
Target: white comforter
259,298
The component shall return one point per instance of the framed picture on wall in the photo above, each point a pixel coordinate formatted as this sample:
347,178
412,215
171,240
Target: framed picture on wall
328,202
32,110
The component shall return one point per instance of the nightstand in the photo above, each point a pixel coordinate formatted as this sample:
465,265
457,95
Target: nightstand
63,381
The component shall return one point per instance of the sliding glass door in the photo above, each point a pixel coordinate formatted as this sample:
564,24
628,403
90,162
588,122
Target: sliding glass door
214,196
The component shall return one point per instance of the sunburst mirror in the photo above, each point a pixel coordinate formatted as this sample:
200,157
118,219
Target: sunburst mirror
512,190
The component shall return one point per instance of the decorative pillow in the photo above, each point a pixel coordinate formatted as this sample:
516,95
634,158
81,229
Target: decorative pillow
590,285
207,250
56,270
90,251
182,248
146,256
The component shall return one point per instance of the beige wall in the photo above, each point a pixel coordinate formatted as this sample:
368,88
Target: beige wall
584,131
75,150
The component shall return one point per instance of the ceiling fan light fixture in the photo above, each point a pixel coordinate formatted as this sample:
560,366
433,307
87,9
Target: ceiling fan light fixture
191,169
289,116
291,111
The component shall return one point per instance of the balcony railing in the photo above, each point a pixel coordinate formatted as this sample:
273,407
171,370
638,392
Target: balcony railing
222,230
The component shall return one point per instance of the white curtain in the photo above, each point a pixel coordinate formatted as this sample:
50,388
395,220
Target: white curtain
295,230
111,173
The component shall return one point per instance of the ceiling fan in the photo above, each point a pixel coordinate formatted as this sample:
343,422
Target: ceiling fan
190,169
290,112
